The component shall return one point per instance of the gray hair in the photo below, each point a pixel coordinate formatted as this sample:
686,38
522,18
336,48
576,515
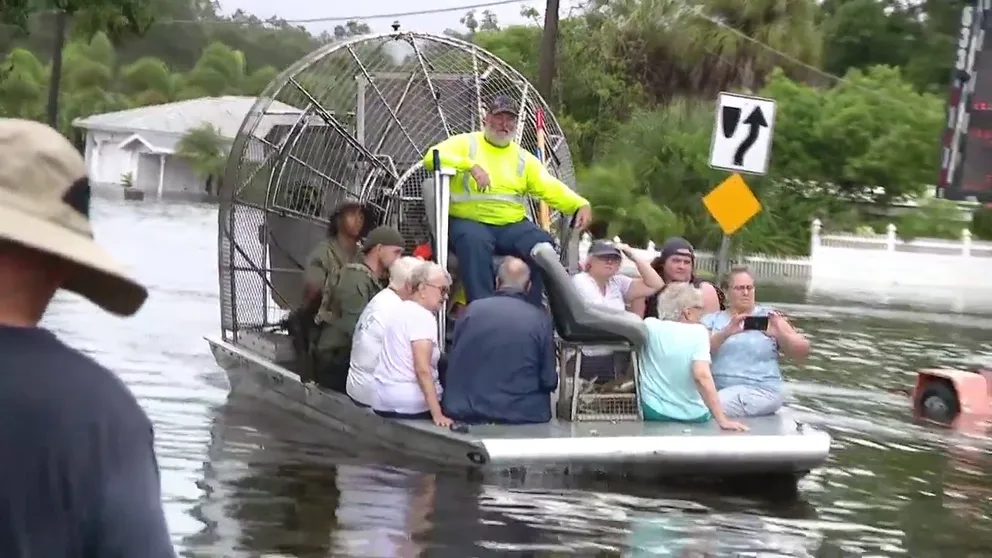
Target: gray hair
676,299
731,275
400,271
513,273
421,275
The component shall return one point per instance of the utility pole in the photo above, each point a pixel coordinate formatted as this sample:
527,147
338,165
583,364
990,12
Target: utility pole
549,42
55,81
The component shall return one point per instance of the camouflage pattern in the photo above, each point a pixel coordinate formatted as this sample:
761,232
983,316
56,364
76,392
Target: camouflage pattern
346,300
324,265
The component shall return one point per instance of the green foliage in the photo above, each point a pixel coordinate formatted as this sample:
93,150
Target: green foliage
934,218
981,223
634,94
205,150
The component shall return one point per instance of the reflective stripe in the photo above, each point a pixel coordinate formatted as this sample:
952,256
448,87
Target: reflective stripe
473,150
457,198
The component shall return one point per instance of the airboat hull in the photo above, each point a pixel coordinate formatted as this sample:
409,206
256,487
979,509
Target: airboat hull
775,445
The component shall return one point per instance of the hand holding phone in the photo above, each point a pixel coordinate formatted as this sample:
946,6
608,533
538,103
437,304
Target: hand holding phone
756,323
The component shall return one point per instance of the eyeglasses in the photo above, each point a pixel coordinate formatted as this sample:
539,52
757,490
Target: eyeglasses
443,289
743,288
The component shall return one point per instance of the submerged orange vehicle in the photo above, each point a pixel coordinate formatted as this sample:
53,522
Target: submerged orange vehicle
957,398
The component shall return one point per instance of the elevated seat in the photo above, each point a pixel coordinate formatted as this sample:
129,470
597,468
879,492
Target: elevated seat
579,323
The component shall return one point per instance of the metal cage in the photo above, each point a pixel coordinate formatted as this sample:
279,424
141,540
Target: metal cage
352,120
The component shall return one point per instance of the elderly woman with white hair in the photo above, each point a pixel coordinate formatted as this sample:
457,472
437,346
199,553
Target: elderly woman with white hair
675,382
367,342
406,378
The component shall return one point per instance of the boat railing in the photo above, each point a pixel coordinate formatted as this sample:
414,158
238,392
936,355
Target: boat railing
592,400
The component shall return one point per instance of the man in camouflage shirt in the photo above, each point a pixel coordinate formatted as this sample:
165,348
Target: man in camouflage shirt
344,300
324,264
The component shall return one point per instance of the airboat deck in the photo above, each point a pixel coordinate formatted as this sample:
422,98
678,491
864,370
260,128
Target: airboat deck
774,445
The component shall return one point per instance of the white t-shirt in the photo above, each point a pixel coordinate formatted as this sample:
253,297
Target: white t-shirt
366,345
396,384
615,297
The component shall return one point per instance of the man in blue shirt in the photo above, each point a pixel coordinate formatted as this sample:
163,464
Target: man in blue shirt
78,475
501,367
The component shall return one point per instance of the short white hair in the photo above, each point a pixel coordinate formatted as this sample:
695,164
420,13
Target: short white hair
400,271
423,272
676,298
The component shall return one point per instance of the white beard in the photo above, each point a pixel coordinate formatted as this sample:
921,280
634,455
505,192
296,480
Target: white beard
496,138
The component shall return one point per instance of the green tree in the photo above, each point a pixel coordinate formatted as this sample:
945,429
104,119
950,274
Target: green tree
220,71
351,29
205,149
22,85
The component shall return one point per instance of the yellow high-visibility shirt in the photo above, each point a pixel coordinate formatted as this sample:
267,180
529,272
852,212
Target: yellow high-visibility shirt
514,174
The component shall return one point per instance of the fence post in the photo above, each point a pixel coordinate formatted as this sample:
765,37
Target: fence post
814,237
890,238
966,243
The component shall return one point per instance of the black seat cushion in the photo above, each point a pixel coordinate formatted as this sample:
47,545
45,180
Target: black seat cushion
575,319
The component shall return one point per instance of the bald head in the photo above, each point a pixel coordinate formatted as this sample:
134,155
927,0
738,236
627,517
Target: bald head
513,273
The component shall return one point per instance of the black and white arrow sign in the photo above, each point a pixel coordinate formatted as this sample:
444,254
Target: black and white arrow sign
742,146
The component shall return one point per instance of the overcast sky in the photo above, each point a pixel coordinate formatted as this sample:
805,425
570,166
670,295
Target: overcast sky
436,23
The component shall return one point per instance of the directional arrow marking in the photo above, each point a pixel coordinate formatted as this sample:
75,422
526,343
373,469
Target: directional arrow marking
756,120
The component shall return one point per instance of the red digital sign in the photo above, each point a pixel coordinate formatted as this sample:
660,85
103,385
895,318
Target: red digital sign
976,166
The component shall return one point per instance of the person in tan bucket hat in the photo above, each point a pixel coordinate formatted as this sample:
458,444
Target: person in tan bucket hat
79,472
44,206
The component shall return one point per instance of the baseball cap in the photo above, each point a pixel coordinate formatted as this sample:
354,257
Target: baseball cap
45,206
676,245
382,236
502,104
604,248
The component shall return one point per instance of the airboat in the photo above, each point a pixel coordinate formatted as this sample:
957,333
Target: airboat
364,113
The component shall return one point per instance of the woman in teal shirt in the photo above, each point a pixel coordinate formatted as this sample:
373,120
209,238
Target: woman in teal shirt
675,381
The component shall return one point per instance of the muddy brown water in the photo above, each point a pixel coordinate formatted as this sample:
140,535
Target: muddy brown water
242,479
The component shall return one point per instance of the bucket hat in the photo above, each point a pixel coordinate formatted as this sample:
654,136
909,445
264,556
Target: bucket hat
45,206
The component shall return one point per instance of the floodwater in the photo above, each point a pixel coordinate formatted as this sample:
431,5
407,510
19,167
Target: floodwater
243,479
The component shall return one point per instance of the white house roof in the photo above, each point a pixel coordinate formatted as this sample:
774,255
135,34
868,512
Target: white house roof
223,113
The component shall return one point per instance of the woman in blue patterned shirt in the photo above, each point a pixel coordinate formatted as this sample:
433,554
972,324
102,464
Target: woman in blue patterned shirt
746,362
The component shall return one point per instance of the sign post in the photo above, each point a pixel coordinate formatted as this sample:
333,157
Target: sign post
741,143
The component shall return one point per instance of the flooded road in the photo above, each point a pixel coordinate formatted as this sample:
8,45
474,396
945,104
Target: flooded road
243,479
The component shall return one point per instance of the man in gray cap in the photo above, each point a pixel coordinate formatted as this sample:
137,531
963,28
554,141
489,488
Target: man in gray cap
80,477
344,300
489,199
676,264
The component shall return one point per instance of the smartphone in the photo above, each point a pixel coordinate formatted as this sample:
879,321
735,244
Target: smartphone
758,323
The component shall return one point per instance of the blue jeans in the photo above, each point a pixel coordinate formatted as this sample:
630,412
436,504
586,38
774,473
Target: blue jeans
476,244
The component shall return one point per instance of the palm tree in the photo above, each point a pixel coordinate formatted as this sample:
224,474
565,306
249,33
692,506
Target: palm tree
674,50
205,149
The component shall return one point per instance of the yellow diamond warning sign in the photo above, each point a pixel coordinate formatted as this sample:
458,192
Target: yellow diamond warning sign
732,204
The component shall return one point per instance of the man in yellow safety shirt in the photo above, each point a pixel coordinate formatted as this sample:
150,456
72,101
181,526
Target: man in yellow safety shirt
488,211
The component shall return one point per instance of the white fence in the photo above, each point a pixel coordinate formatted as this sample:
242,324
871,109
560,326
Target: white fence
874,259
887,260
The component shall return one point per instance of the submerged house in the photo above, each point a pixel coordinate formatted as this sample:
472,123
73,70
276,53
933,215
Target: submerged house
139,145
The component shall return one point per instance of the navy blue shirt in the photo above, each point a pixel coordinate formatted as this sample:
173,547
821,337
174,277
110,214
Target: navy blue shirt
501,367
78,475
